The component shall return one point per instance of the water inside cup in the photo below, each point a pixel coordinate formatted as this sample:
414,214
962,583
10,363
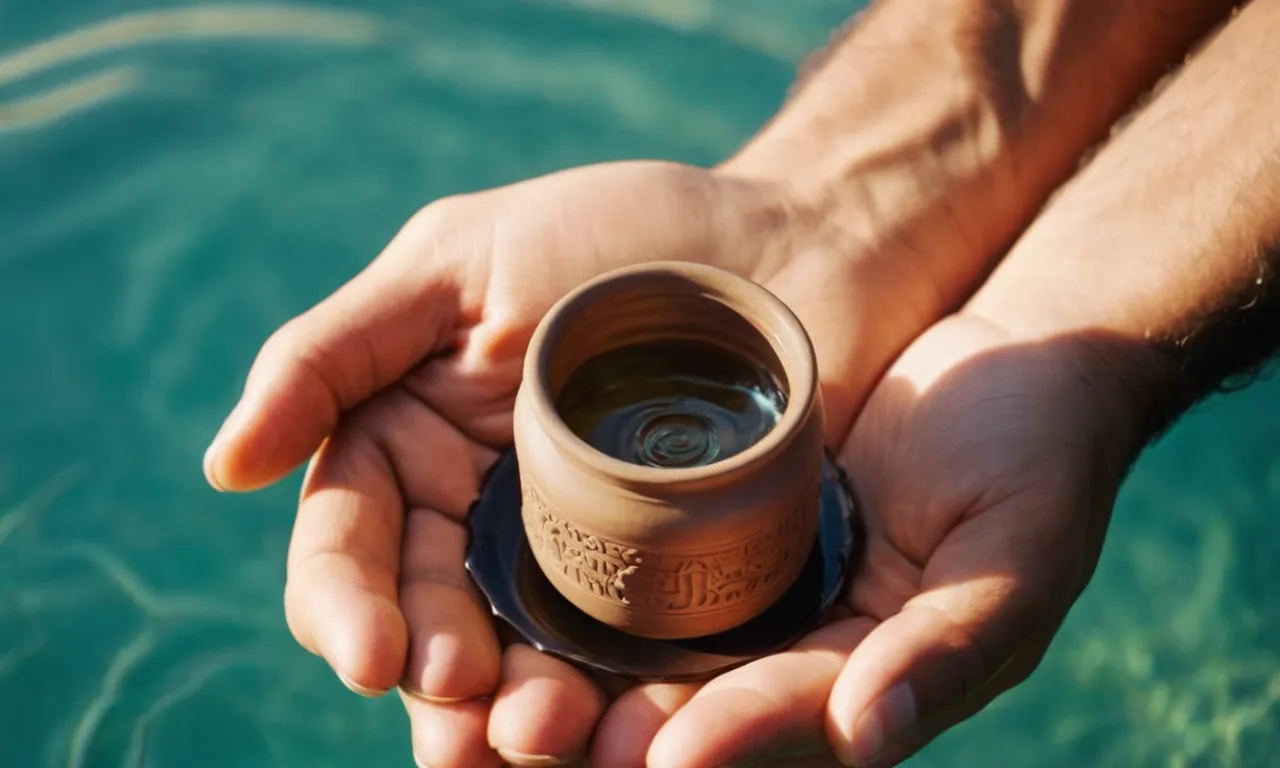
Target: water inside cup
671,404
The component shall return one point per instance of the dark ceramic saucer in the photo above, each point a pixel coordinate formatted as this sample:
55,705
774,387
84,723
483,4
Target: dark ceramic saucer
500,563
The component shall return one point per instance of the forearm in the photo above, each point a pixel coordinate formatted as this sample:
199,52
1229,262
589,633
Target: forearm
1165,248
937,129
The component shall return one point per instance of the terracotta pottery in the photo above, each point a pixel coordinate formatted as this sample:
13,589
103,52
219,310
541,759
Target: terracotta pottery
499,561
669,552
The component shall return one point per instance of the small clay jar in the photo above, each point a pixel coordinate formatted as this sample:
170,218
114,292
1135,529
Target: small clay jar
661,552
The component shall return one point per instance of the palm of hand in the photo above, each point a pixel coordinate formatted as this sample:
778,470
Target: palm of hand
407,375
988,471
985,485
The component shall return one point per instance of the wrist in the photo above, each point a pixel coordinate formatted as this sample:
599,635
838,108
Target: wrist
1163,265
1137,388
907,154
932,133
1117,393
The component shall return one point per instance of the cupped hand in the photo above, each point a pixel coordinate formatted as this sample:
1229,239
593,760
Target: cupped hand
399,388
987,470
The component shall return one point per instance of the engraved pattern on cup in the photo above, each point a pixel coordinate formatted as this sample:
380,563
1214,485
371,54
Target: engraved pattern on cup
692,583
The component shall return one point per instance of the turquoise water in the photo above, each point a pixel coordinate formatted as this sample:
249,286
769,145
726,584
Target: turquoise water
168,198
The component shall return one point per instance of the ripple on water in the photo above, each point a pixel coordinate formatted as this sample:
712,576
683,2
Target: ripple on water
233,22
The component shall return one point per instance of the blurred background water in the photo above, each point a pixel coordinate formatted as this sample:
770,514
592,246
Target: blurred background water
177,179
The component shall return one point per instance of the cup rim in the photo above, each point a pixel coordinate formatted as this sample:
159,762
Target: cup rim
773,319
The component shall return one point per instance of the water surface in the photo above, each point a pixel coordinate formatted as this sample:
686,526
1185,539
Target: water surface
176,180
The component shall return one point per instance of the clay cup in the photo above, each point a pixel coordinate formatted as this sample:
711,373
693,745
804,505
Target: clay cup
658,552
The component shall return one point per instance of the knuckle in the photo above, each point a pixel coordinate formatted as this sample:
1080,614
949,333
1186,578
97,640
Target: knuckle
412,579
967,664
455,678
433,215
283,342
295,619
439,241
291,351
353,456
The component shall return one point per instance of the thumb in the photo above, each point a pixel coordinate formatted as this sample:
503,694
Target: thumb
941,659
360,339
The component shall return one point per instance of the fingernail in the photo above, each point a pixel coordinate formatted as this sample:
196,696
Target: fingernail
878,725
441,700
230,425
530,761
418,761
209,454
368,693
410,689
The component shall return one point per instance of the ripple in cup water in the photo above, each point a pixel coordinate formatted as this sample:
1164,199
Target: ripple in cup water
671,404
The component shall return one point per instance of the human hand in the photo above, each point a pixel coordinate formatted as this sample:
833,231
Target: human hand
402,384
986,470
989,459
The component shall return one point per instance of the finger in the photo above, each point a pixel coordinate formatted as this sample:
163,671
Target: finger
340,593
438,467
776,703
476,386
944,656
544,711
453,651
449,735
623,737
345,558
351,345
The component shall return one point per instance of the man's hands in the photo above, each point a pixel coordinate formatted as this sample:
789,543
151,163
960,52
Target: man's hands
402,385
986,470
987,461
979,464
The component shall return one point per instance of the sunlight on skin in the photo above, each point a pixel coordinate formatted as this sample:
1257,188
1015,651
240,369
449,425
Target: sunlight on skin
1184,716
